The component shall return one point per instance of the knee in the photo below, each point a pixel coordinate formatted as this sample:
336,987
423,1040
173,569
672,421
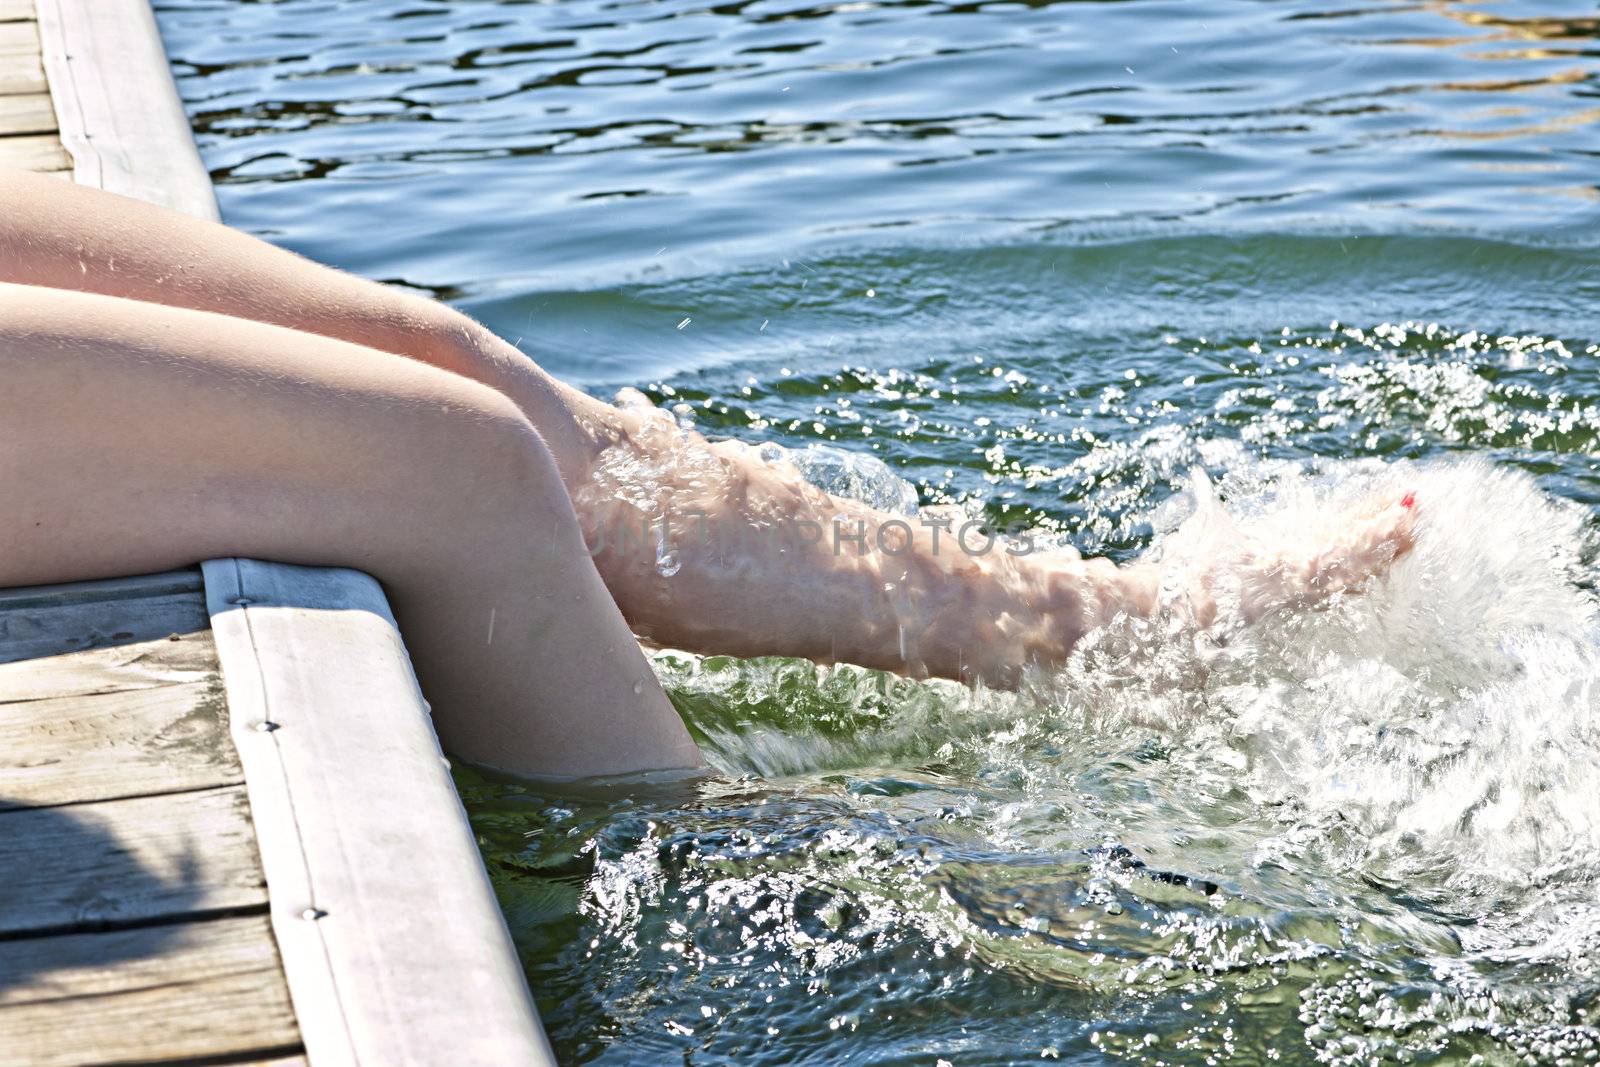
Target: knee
496,443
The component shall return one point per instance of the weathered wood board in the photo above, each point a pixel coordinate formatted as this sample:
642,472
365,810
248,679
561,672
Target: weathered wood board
170,660
50,629
105,590
19,38
154,994
121,120
21,74
26,113
137,739
34,151
21,66
132,902
128,861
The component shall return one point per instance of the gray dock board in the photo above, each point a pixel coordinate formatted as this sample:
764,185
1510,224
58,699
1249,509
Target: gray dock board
133,922
126,861
316,652
137,587
171,660
76,748
209,990
53,628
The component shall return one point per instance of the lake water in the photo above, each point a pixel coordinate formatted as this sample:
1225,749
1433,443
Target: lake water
1045,260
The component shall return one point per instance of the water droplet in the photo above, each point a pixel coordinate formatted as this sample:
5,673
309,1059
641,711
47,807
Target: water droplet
668,564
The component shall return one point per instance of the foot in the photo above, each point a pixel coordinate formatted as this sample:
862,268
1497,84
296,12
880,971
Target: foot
1354,547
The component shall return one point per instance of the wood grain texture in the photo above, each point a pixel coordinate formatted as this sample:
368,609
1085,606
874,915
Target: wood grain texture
21,69
41,151
119,668
411,963
21,74
158,993
126,861
19,39
26,113
52,628
140,742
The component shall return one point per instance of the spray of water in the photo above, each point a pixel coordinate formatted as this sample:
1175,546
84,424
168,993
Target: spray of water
1433,733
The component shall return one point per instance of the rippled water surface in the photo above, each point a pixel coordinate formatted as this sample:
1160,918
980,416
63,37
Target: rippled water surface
1045,260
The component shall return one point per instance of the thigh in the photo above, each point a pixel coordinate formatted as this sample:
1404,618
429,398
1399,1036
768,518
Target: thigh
56,234
135,437
67,236
110,404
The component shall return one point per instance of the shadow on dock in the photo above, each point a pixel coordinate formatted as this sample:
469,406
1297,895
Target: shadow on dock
75,897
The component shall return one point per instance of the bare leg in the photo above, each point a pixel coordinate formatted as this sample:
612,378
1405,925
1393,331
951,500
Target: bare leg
749,577
135,437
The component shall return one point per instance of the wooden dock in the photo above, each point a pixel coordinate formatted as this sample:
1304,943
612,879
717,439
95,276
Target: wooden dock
29,135
227,834
133,908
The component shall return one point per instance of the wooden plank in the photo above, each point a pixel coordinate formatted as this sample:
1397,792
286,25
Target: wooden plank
16,10
118,669
50,629
21,74
26,113
19,39
66,750
41,151
120,115
126,861
105,589
154,994
315,652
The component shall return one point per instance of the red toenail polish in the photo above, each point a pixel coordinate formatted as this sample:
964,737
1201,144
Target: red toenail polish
1409,500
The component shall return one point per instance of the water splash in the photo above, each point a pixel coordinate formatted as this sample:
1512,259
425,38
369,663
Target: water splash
1434,740
850,476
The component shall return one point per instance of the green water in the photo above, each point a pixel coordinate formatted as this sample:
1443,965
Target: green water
1044,259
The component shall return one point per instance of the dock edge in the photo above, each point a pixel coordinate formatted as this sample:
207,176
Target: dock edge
116,104
393,944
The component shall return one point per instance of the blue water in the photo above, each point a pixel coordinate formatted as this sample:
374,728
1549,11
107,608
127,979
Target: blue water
1044,259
